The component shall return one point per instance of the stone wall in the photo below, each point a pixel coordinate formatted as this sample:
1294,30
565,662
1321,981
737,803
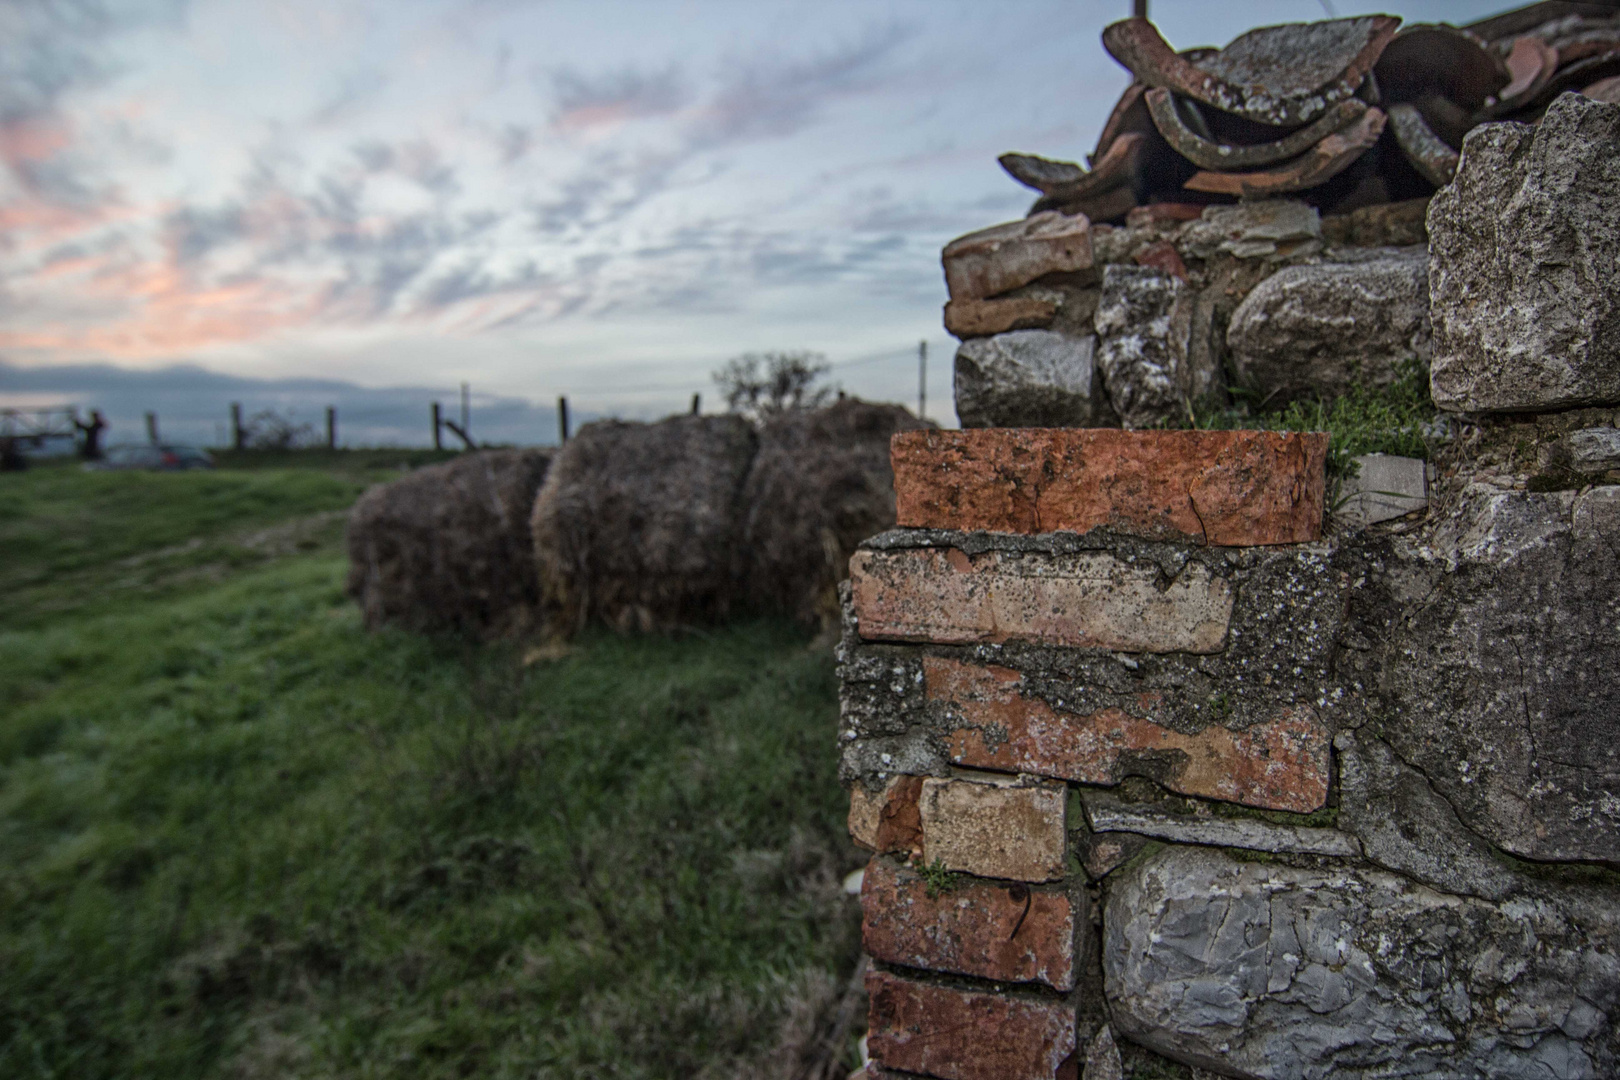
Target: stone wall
1165,763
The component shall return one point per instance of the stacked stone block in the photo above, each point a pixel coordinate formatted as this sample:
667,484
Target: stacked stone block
1145,753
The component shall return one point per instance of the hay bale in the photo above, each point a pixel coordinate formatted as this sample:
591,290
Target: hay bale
637,524
448,548
821,483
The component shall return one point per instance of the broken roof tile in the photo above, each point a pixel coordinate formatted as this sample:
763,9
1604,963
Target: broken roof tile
1322,162
1277,75
1169,116
1427,152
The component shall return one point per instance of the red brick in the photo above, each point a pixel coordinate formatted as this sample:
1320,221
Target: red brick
1162,256
1163,214
889,820
981,318
996,827
1281,764
964,1035
1002,257
1009,933
1234,488
1088,599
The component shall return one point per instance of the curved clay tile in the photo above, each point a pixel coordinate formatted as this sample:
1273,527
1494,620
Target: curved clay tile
1321,163
1432,58
1042,174
1427,152
1206,154
1115,171
1277,75
1532,63
1605,90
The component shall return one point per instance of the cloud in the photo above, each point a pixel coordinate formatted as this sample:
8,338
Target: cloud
585,102
773,96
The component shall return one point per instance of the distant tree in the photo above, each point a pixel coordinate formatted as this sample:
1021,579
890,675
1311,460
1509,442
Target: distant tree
759,385
270,430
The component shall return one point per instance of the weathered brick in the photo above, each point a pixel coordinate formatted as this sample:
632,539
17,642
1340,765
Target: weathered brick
1002,257
889,820
1230,488
1281,764
964,1035
996,828
1089,599
982,318
1009,933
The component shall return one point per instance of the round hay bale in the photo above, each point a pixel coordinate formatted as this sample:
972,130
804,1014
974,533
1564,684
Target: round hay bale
821,483
448,548
637,524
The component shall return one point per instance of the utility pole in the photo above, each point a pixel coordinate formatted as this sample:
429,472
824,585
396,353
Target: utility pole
151,428
562,420
1139,8
697,403
237,435
438,434
922,380
331,427
466,412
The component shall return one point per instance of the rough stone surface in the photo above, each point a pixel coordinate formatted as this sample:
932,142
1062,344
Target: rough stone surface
965,1035
1397,224
1314,331
1525,296
1091,600
1103,853
1493,650
887,819
1029,378
1594,450
1102,1057
997,828
1108,813
1008,933
1154,349
1263,970
1238,488
1281,764
981,318
1280,654
1385,487
1002,257
1404,825
1272,229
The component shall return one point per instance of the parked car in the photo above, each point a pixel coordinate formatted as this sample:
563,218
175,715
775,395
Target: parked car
168,457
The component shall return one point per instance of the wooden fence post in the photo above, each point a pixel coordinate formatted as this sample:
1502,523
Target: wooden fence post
438,438
331,427
238,436
152,428
562,419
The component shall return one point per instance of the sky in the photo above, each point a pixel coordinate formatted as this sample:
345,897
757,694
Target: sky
302,203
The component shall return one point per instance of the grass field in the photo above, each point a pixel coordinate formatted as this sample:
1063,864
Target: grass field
241,837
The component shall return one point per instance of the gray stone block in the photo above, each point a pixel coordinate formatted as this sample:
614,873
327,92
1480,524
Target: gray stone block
1256,230
1404,824
1270,971
1525,296
1317,330
1154,348
1107,813
1594,450
1492,653
1385,487
1030,378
